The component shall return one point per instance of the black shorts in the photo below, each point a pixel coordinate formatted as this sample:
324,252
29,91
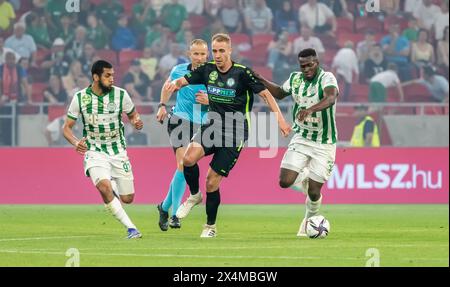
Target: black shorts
225,156
180,131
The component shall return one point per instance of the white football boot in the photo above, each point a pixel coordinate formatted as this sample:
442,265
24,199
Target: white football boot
302,229
209,231
187,206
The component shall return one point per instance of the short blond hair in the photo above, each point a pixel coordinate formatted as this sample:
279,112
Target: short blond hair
221,37
198,42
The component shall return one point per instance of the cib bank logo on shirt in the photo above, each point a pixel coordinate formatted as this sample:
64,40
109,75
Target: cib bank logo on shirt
73,6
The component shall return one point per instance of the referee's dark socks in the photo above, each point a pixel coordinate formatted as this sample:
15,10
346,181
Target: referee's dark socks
212,205
192,176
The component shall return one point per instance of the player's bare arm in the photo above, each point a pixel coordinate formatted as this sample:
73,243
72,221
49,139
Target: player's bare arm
165,96
135,120
176,85
276,91
330,95
79,144
268,98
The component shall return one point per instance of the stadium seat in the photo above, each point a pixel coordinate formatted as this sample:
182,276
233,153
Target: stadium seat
344,24
128,6
108,55
238,39
366,23
198,23
37,92
262,40
127,56
329,56
329,42
360,93
391,20
354,37
41,54
266,72
393,95
56,111
417,93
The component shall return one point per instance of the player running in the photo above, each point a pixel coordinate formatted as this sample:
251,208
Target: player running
100,107
184,119
309,160
230,88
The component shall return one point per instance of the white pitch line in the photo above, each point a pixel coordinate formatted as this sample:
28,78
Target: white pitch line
44,238
217,256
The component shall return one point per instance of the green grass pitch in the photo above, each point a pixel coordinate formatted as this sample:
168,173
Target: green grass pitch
248,235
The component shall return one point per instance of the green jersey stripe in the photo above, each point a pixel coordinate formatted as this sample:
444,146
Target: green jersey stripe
121,127
100,105
111,99
333,128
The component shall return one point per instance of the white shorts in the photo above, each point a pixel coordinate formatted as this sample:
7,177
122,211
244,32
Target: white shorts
318,158
115,166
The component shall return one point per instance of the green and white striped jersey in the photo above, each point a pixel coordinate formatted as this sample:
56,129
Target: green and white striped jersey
320,127
102,118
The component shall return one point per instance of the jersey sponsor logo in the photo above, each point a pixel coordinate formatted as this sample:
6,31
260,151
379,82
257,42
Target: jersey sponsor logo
86,99
221,92
112,107
312,92
214,76
231,82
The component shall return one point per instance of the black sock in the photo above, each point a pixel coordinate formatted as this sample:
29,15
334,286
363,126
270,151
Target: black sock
192,176
212,205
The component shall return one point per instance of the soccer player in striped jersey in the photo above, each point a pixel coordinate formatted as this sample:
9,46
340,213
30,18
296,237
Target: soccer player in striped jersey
186,116
100,107
309,160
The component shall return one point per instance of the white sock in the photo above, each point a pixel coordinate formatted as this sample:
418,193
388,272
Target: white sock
116,209
298,184
312,207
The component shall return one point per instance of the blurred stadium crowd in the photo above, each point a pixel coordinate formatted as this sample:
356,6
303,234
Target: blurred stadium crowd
399,54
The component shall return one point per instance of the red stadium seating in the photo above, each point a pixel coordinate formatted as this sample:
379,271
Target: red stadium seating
198,23
239,38
390,20
343,37
360,93
41,54
108,55
258,54
266,72
56,111
366,23
344,25
127,56
37,92
416,93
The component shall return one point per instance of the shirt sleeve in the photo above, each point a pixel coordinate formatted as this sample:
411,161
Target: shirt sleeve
173,74
255,85
287,87
329,80
74,108
198,76
127,104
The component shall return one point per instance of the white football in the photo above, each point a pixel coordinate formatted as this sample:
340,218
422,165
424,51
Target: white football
317,227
